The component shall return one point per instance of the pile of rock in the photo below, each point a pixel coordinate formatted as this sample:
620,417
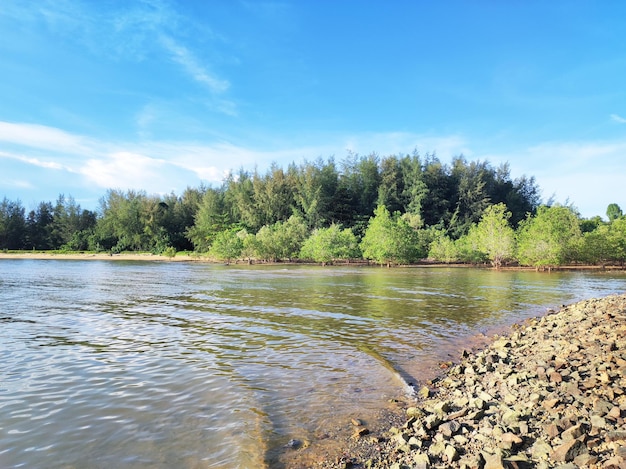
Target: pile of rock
551,394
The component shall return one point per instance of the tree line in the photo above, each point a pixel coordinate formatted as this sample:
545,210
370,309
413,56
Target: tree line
394,209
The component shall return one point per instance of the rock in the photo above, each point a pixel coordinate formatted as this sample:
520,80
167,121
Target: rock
449,428
597,421
437,449
572,433
451,454
424,392
421,461
360,432
556,377
356,422
568,451
414,412
541,449
294,444
493,461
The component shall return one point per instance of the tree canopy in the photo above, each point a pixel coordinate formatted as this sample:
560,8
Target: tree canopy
394,209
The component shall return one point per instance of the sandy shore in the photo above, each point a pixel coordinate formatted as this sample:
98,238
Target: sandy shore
100,256
551,394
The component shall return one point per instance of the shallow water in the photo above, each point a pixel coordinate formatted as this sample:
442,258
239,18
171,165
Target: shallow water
137,365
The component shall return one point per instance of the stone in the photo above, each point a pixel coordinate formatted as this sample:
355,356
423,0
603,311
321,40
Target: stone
451,454
432,421
493,461
568,451
556,377
572,433
421,461
597,421
437,449
414,412
449,428
541,449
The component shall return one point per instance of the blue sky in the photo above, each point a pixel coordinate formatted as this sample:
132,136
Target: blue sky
159,95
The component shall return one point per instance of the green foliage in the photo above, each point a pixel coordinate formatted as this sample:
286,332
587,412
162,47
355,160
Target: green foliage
282,240
613,212
443,249
494,237
596,246
211,218
389,239
468,248
227,245
169,252
550,238
326,245
12,224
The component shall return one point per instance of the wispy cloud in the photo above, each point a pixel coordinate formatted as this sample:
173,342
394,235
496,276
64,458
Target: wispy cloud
130,32
200,73
42,137
617,118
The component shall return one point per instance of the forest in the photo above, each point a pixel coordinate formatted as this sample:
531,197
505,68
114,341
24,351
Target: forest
389,210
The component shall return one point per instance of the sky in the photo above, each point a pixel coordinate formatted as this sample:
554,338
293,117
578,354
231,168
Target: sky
160,95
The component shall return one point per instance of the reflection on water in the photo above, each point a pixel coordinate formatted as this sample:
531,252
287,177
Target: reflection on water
136,365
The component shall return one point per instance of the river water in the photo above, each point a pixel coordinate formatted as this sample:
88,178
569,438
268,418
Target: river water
159,365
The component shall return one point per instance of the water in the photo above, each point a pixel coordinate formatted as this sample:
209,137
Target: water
159,365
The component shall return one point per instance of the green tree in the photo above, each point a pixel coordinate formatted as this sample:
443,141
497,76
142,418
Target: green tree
391,187
326,245
468,247
471,198
550,238
597,246
496,239
437,201
315,187
613,212
273,196
12,224
443,249
122,222
617,240
414,191
227,245
211,218
281,240
39,226
389,239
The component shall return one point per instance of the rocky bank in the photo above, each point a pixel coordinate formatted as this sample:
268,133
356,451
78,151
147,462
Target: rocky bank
551,394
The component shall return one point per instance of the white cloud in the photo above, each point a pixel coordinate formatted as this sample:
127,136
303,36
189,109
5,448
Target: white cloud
39,136
617,118
589,174
192,66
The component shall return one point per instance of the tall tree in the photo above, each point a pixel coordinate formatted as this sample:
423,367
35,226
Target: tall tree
391,187
12,224
211,219
471,195
415,189
39,226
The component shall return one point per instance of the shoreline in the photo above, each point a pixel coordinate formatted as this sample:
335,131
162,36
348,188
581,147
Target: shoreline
149,257
549,394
